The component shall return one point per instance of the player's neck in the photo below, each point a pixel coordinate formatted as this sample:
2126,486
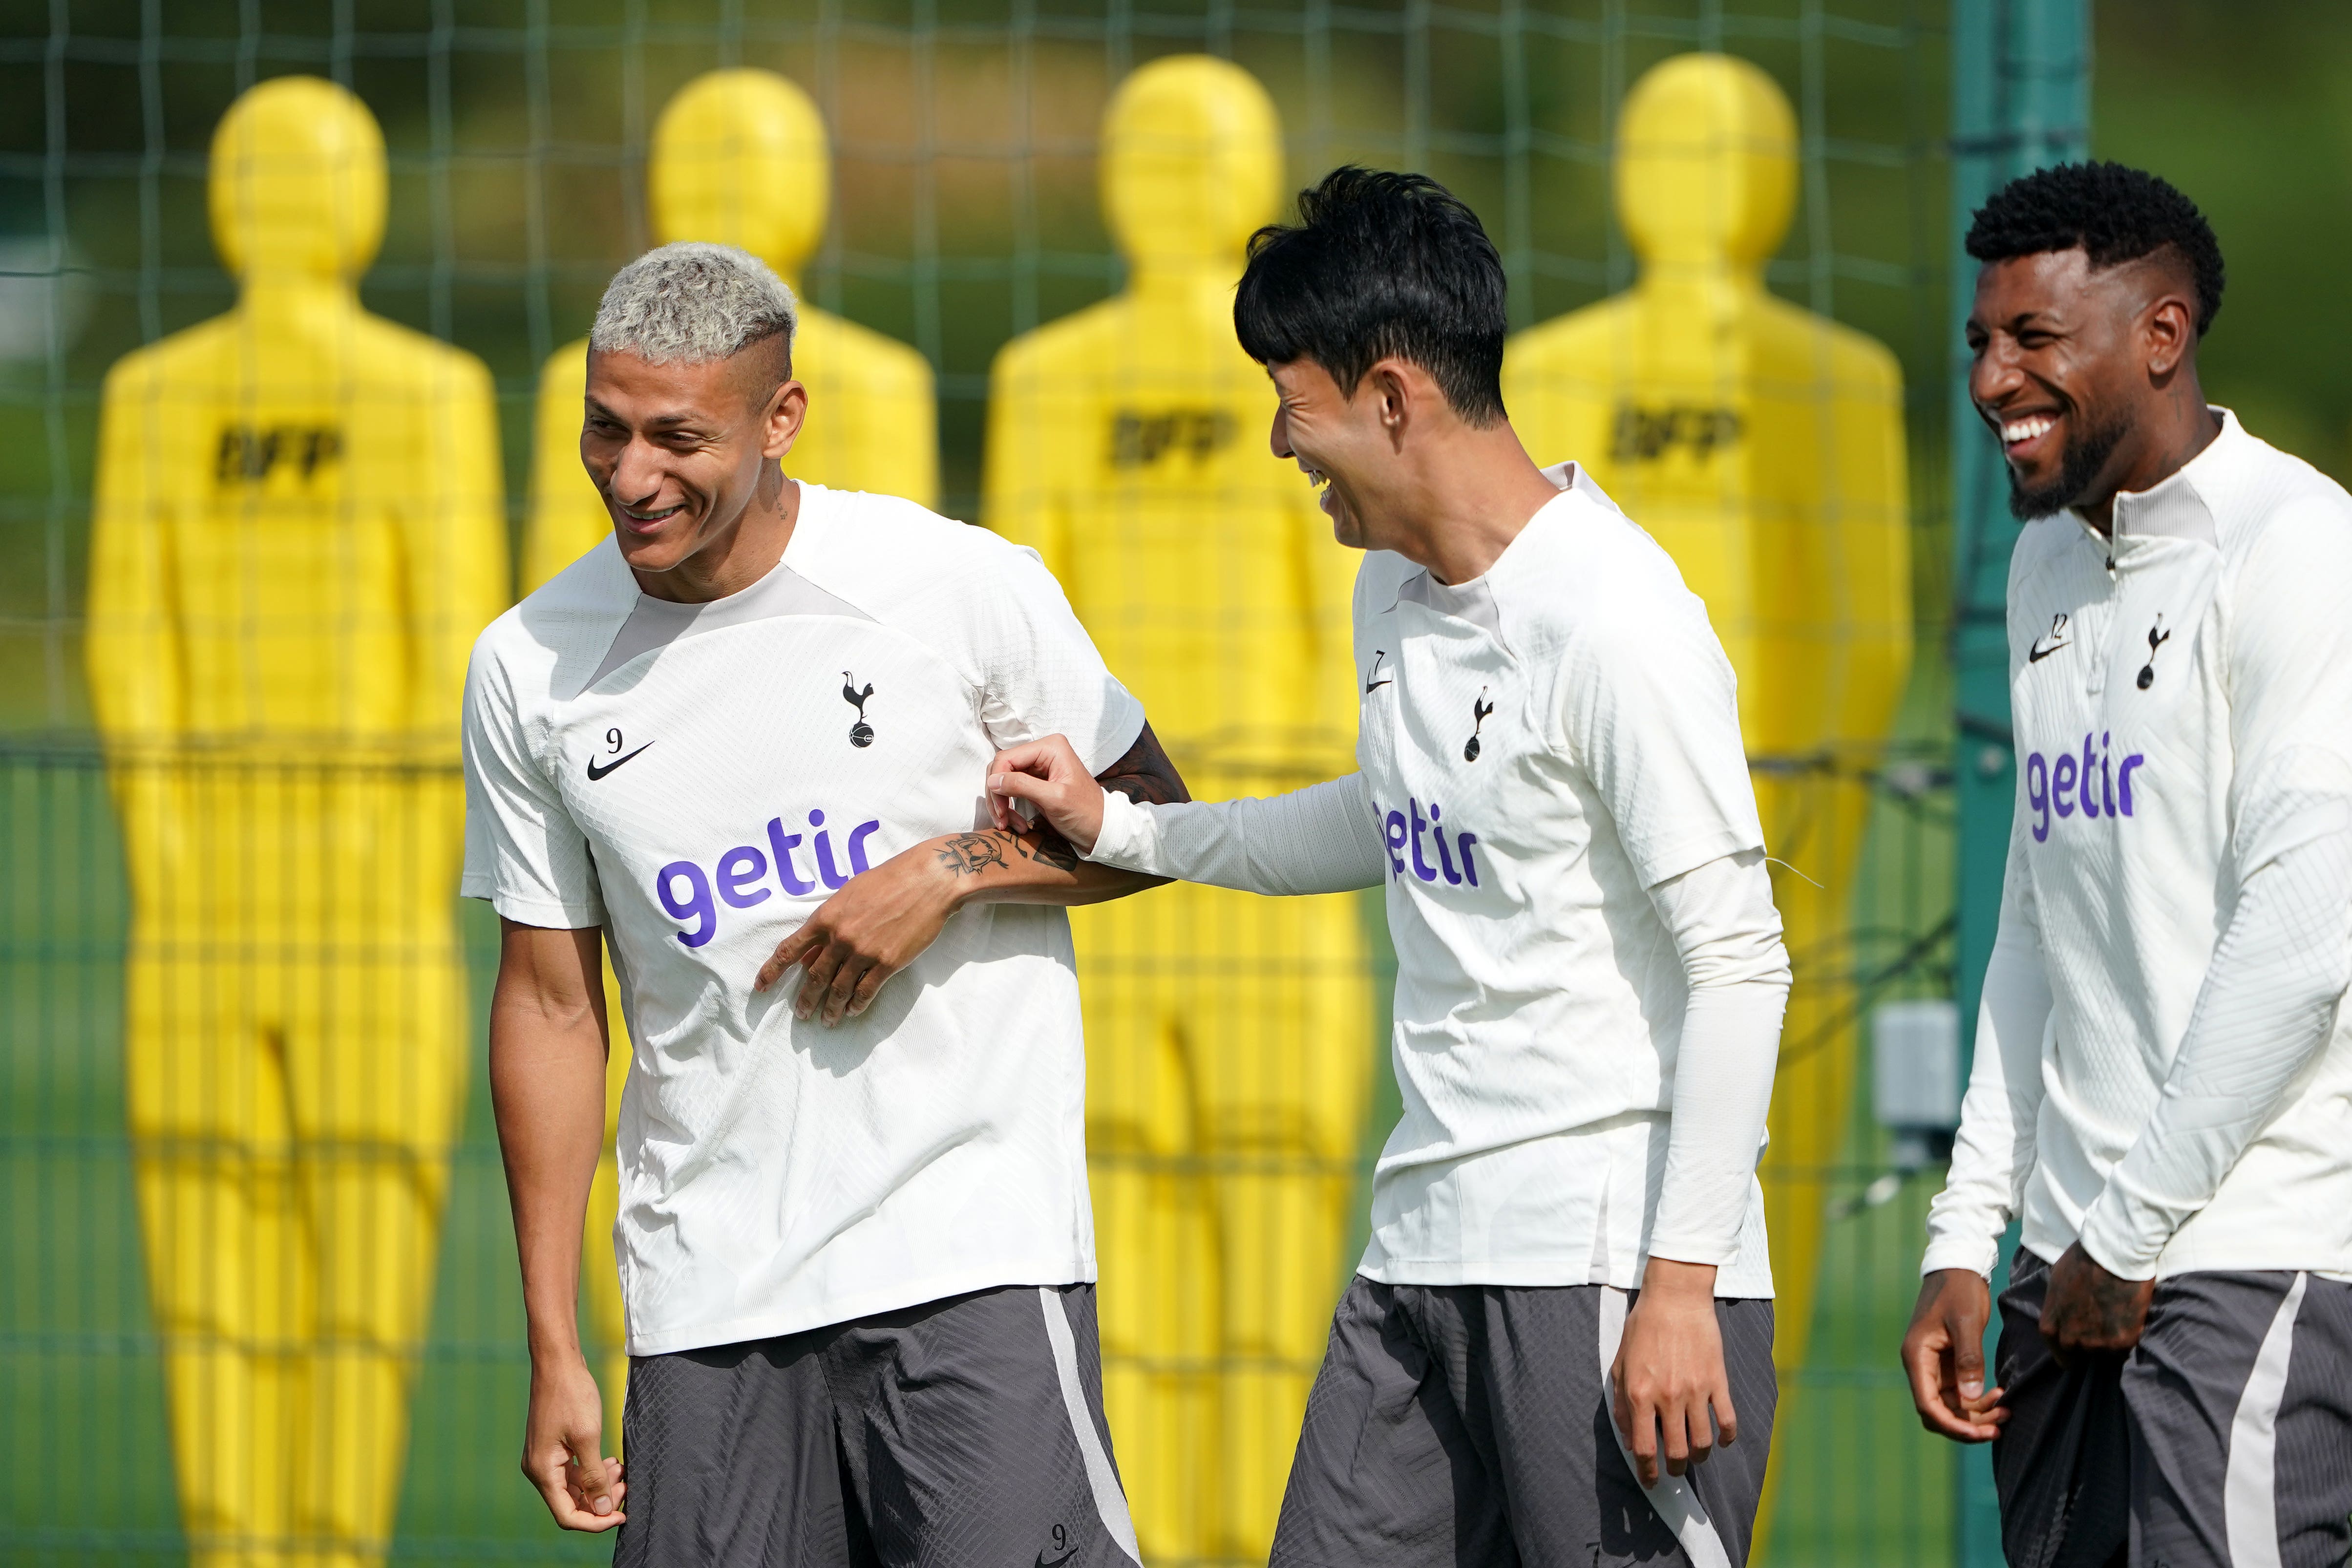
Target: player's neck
1461,501
747,551
2166,440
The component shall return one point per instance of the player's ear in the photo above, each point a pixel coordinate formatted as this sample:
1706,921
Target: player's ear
2168,324
787,407
1394,395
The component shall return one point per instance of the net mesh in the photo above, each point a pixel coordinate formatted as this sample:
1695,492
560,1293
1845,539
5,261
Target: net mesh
966,212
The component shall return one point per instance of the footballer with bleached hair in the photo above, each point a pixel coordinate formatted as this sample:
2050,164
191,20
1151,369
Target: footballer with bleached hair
742,741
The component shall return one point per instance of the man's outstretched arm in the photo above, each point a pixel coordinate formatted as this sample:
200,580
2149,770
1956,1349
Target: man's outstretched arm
884,919
547,1083
1321,839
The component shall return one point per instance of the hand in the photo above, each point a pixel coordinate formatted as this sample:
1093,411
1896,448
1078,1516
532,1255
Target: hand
1943,1352
562,1436
1669,1371
879,923
2088,1308
1048,774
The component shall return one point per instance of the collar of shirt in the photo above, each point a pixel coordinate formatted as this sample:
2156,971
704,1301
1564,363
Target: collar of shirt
2174,507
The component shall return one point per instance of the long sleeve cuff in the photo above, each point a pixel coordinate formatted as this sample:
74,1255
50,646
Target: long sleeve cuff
1976,1253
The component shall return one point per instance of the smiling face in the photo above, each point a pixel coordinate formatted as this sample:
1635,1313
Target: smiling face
2070,364
1337,441
679,452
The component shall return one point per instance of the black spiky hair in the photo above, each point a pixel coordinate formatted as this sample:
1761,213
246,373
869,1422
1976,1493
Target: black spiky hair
1380,263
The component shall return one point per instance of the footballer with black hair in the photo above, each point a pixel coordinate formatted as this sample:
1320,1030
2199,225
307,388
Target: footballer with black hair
1562,1320
2162,1088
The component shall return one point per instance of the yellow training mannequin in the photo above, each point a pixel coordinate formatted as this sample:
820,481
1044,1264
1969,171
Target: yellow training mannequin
738,158
298,533
1228,1037
1762,446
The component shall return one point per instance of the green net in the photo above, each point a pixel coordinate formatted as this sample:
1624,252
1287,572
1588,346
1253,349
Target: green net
966,212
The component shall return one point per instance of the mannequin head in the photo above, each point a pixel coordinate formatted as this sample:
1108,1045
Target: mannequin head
1706,163
740,158
297,183
1192,164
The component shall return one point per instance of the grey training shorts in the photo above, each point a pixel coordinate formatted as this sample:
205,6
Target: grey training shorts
2224,1439
963,1431
1469,1425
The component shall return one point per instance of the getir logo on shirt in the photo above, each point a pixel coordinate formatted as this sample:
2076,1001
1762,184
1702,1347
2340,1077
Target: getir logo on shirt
740,878
1405,830
2096,785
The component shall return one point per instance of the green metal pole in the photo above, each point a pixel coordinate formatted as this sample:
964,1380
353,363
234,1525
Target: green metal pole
2021,99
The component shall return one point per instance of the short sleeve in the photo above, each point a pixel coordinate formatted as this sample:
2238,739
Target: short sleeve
1650,711
524,853
1039,671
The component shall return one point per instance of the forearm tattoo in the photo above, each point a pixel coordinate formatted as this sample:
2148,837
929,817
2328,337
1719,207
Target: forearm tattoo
1047,847
970,854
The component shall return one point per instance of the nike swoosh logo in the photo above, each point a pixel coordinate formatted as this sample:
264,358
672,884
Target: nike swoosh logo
595,772
2034,655
1369,686
1046,1561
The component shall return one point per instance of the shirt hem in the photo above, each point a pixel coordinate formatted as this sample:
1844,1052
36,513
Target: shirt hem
1451,1271
777,1323
2238,1256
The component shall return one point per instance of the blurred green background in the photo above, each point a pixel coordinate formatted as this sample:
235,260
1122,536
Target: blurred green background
965,212
2248,107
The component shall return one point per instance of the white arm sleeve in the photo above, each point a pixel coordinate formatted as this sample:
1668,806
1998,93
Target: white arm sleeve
2268,1004
1994,1151
1728,935
1321,839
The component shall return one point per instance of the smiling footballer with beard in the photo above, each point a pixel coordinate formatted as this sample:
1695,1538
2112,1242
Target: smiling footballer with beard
2162,1063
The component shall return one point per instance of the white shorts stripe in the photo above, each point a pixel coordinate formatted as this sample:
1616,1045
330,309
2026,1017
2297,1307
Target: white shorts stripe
1110,1502
2249,1486
1672,1497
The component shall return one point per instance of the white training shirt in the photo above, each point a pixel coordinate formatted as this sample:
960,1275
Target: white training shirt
1589,970
2160,1069
697,779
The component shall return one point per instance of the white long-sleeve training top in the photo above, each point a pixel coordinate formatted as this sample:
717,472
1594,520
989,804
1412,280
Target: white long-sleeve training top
1591,976
2161,1071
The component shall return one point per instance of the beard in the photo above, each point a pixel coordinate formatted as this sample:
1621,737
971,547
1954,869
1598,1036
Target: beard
2086,454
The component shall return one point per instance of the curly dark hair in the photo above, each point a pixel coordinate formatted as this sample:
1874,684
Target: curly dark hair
2114,213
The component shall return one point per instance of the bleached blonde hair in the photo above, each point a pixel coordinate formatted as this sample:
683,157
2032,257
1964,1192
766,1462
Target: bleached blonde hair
692,303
